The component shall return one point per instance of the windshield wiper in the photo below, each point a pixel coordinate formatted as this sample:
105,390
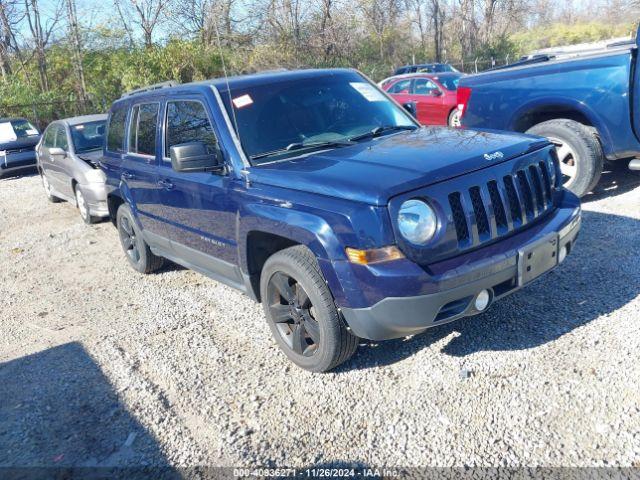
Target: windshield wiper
303,146
376,132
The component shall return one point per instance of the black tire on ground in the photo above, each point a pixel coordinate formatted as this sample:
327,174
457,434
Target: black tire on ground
138,253
300,268
83,207
583,141
47,189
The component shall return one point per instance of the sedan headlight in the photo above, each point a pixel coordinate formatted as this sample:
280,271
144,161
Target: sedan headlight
417,221
95,176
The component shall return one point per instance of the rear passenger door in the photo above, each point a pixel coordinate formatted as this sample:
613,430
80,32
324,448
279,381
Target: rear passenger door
140,168
198,210
48,141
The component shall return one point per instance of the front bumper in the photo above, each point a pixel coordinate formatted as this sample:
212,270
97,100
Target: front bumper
95,195
395,317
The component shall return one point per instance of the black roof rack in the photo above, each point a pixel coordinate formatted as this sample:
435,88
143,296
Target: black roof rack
150,88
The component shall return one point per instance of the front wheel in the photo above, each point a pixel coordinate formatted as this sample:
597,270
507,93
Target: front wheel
579,151
301,312
138,253
83,207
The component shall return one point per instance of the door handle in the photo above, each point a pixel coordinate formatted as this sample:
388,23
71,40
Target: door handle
166,184
128,176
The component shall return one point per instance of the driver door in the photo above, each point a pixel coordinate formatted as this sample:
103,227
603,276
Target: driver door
429,101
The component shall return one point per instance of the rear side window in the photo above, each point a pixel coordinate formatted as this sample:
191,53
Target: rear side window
115,137
187,121
143,128
61,139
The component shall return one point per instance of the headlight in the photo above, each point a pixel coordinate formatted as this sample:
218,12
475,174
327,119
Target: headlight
95,176
417,221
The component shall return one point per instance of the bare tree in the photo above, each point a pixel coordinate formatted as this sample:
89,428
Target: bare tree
202,17
6,37
146,15
76,43
41,30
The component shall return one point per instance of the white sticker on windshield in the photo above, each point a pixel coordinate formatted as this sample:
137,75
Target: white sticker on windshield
32,131
368,91
242,101
7,133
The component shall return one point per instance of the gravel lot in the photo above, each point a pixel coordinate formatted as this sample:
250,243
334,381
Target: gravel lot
102,366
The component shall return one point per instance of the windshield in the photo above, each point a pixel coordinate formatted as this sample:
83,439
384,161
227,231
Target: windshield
12,130
276,120
88,136
450,82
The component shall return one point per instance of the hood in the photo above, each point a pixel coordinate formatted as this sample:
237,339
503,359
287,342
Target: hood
25,142
373,172
92,157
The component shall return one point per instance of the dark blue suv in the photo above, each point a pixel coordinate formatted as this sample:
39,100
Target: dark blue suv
316,194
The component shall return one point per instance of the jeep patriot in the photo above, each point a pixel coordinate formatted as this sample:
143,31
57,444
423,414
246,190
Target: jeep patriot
316,194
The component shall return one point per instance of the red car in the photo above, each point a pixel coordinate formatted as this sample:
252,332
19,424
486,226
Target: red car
434,96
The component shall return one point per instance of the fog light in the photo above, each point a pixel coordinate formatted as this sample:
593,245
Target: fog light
482,300
563,253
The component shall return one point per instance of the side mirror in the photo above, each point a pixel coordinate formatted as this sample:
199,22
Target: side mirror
194,157
57,153
410,107
436,93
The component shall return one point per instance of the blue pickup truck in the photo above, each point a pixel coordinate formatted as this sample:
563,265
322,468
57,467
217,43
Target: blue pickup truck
318,195
586,104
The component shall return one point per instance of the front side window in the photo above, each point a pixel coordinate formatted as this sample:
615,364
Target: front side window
450,82
12,130
50,137
281,118
115,135
87,136
61,139
187,121
143,129
424,86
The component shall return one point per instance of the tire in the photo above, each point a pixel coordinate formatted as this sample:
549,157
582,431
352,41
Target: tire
323,341
579,150
454,119
47,189
138,253
83,206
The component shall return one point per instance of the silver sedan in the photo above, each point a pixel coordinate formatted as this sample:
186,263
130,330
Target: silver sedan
68,155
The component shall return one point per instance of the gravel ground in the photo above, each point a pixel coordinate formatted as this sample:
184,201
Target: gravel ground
103,366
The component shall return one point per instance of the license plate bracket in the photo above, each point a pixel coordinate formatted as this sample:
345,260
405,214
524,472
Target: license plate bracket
537,258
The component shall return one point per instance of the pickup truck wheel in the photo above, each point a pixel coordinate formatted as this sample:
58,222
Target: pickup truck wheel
138,253
301,312
579,151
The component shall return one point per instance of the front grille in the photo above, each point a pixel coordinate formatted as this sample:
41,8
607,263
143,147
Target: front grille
487,211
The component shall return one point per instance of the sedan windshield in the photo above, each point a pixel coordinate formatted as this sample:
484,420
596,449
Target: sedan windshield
12,130
287,118
88,136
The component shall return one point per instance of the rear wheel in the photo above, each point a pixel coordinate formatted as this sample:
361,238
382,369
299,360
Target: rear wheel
47,189
301,312
579,151
454,118
138,253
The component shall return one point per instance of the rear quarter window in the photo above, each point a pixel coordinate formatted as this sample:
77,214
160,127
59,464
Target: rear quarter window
115,130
